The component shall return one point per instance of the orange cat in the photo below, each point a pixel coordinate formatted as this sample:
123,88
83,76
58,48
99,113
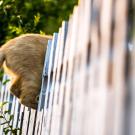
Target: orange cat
23,59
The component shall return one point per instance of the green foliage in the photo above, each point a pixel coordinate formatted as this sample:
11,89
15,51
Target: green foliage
6,120
5,82
1,78
1,75
32,16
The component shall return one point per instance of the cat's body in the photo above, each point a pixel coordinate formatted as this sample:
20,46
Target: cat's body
23,59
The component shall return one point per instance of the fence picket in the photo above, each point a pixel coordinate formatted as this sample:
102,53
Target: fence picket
48,100
25,126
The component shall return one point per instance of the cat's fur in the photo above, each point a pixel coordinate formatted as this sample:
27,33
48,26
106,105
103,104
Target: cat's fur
23,58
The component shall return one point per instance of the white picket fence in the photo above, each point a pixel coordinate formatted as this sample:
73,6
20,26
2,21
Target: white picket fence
88,82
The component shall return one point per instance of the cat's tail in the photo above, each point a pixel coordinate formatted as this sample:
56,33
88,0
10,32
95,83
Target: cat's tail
2,57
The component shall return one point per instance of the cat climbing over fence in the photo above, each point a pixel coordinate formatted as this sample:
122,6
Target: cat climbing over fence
23,59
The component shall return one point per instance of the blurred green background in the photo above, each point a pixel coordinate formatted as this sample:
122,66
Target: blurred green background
32,16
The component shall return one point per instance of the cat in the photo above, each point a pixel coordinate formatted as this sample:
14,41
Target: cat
22,58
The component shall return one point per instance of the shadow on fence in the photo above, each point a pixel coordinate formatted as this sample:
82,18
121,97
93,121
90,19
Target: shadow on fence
88,77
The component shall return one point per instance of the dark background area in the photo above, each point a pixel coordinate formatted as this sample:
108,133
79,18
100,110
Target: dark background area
32,16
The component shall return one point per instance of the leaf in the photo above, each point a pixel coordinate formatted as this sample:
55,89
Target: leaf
1,73
1,117
6,130
5,81
11,117
42,32
1,2
10,126
2,104
6,112
14,131
36,19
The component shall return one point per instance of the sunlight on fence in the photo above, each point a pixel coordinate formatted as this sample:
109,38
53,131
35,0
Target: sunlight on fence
88,77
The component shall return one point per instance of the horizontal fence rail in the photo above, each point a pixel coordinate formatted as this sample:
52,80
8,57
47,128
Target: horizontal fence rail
88,80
